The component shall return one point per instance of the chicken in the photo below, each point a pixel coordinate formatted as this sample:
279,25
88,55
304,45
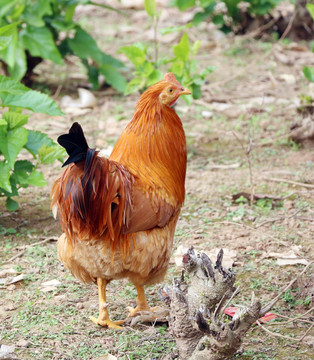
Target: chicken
119,214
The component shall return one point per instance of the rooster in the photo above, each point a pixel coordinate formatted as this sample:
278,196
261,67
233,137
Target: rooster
119,214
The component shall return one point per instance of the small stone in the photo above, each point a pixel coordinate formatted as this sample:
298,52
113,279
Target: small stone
80,306
23,343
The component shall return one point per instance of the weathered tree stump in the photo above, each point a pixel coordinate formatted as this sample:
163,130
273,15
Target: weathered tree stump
197,319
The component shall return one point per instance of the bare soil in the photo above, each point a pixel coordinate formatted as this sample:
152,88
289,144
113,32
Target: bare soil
253,94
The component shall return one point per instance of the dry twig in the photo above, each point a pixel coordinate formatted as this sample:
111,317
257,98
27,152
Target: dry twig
296,183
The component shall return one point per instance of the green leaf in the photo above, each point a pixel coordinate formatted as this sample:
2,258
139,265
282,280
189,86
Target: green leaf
196,91
10,86
39,42
182,50
48,154
18,70
36,140
6,6
15,119
34,14
11,143
110,60
22,170
32,100
150,7
173,29
177,68
36,178
11,205
6,34
134,85
84,46
184,4
134,54
5,176
308,72
113,77
310,8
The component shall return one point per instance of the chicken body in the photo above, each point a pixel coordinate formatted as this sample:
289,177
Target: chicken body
119,214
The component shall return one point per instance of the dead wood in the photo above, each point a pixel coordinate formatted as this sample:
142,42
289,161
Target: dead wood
196,318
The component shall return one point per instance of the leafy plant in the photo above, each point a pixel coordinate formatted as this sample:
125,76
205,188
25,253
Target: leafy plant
183,65
15,172
308,71
45,29
228,16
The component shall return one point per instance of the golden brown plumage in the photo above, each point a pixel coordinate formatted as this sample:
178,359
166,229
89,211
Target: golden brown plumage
119,214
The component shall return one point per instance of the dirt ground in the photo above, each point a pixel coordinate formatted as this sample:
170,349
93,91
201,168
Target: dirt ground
254,93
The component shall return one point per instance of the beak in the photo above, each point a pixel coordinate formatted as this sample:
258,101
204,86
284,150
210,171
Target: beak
185,91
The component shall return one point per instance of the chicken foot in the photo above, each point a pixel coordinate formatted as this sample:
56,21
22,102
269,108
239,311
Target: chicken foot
141,302
103,317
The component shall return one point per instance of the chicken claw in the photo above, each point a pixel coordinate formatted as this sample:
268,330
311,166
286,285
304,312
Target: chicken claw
108,323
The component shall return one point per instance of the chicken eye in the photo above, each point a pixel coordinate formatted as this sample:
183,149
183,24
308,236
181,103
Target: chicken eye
170,90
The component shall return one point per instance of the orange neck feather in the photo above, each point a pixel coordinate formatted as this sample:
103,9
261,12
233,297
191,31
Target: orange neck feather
153,148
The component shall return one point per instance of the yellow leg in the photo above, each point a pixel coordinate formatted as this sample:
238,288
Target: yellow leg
141,302
103,317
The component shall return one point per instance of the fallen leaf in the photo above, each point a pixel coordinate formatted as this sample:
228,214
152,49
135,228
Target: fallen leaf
267,317
22,343
48,288
16,279
9,271
285,262
53,282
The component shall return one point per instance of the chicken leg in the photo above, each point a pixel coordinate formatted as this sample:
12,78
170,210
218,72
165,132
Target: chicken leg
103,317
141,302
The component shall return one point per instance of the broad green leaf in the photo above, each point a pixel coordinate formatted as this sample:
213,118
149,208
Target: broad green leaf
36,178
84,46
33,14
134,85
61,25
134,54
156,75
69,13
308,72
6,34
48,154
150,7
36,140
39,42
177,68
310,8
9,53
11,205
182,50
6,6
32,100
18,70
5,177
113,77
11,143
15,119
22,170
146,69
202,16
110,60
195,47
10,86
205,3
184,4
196,91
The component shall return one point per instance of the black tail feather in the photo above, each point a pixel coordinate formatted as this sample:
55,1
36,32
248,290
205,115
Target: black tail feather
75,144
